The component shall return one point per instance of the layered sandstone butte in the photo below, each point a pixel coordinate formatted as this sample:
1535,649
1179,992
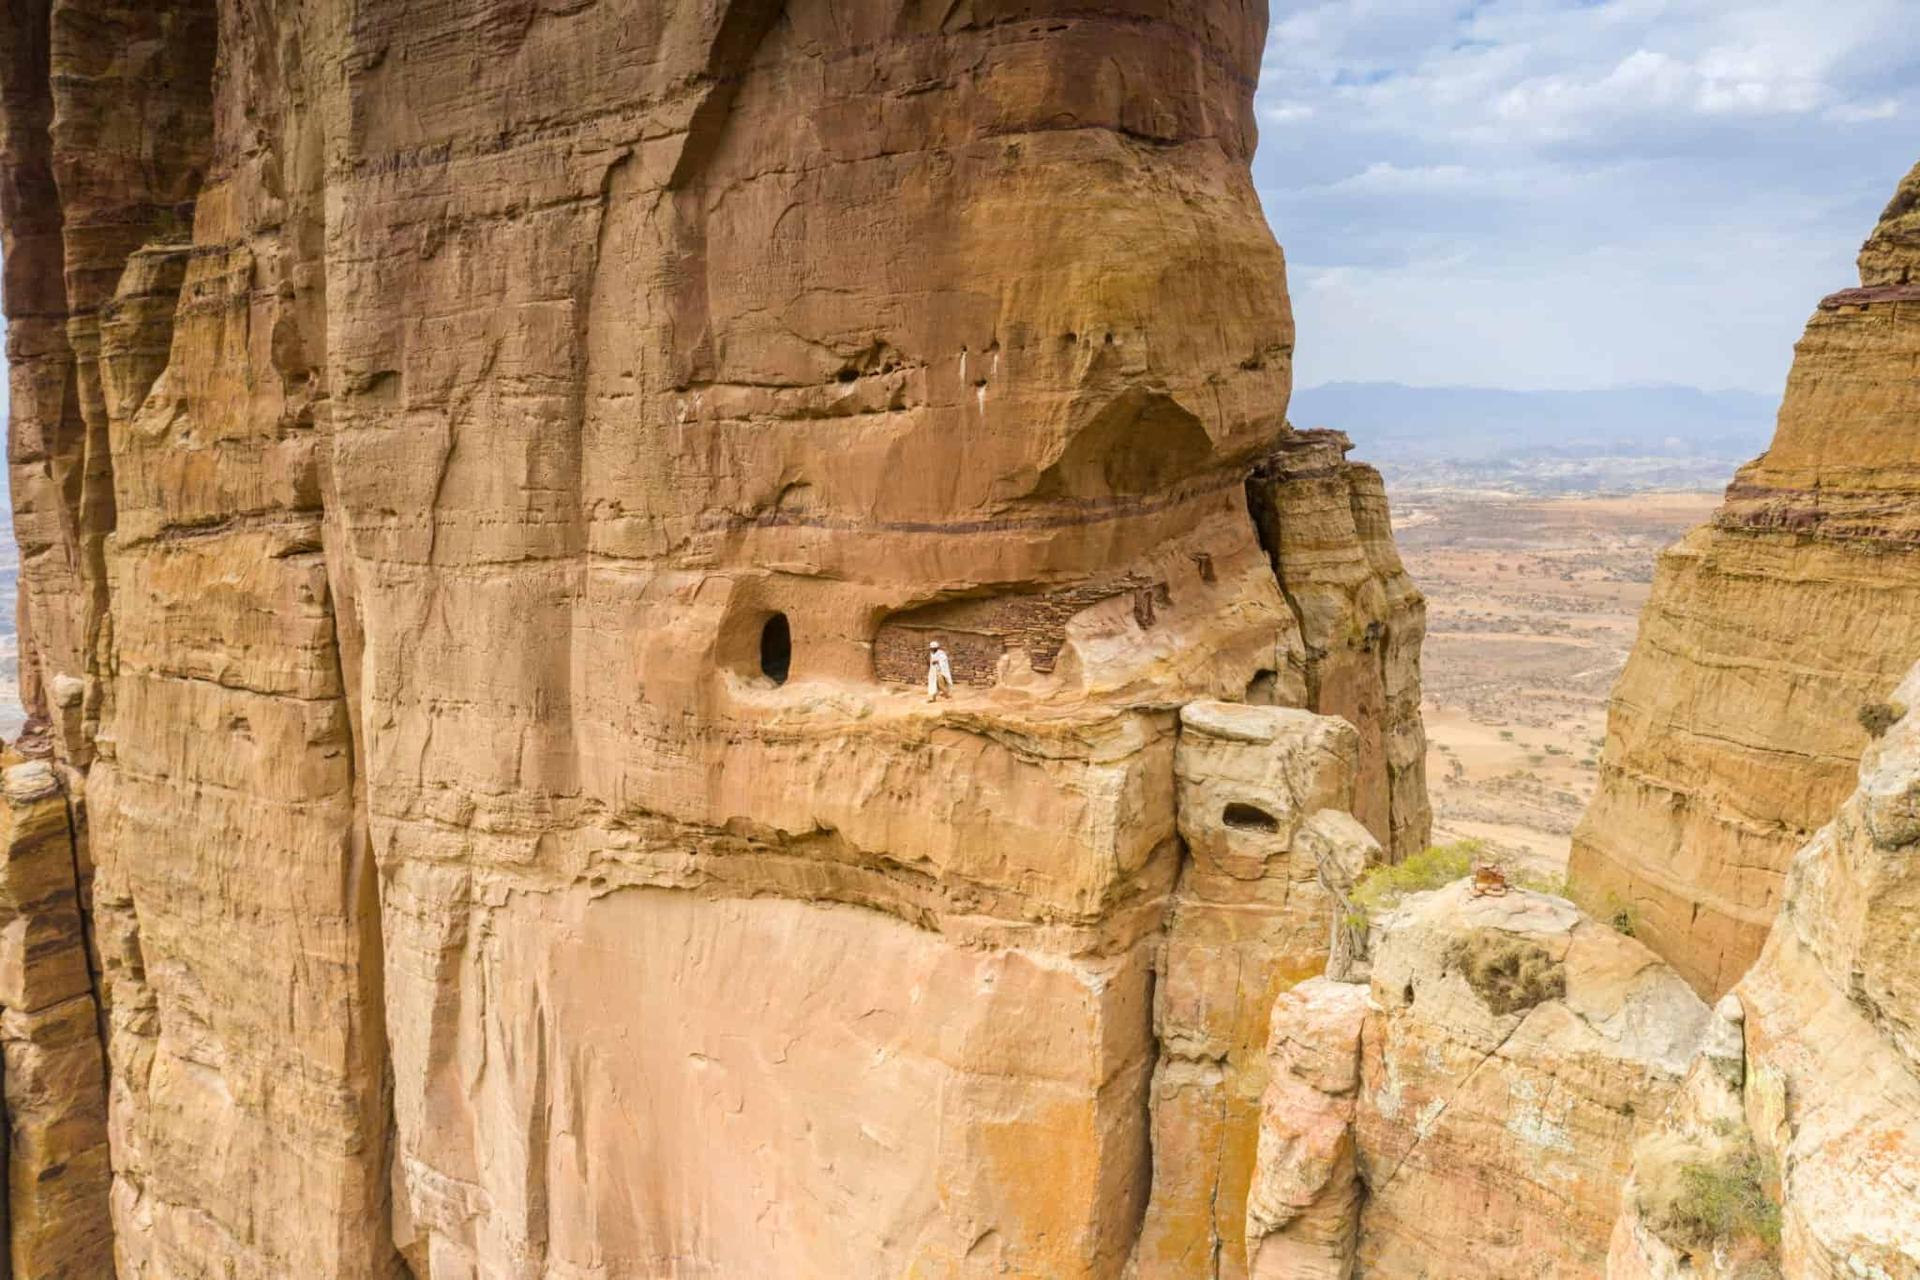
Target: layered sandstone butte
1819,1064
1473,1109
487,474
1734,731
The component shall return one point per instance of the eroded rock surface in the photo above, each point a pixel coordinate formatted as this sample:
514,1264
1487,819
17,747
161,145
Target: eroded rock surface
1303,1208
1508,1054
1497,1119
1826,1073
1734,732
1324,522
54,1073
1264,807
486,474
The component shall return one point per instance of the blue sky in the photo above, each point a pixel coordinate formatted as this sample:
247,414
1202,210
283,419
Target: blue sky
1551,193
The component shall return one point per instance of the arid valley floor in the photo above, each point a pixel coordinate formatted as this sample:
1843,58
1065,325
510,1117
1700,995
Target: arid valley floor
1532,605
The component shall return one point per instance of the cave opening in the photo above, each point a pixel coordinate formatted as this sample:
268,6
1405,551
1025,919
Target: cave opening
776,648
1247,817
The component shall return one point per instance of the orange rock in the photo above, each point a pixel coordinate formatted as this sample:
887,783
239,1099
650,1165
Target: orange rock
1735,730
484,575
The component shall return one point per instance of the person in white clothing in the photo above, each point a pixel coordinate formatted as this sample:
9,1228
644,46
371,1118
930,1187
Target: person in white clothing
939,672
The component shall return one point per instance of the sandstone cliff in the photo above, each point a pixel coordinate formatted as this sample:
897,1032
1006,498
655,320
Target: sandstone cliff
1734,731
486,476
1818,1067
1472,1110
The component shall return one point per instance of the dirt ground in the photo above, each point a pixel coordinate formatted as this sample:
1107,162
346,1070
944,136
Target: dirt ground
1532,605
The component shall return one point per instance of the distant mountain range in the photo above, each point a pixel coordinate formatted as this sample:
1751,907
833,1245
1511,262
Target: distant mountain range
1392,422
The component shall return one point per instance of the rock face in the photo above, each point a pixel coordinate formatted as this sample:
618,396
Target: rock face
486,476
1733,733
1499,1105
1303,1210
1474,1110
1324,523
1263,808
1825,1065
54,1074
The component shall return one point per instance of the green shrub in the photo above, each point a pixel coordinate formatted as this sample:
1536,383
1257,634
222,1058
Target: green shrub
1554,884
1725,1201
1382,888
1622,915
1878,717
1508,973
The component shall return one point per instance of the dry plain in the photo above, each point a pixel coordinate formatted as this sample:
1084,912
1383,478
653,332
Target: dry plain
1532,605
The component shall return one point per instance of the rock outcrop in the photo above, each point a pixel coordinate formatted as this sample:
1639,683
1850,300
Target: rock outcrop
1264,806
1323,521
1515,1049
1507,1054
486,476
54,1073
1303,1209
1735,730
1822,1069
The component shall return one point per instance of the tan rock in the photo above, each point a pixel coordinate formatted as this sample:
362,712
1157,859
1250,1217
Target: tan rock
1830,1079
1733,733
1303,1207
1324,522
53,1076
1263,801
1514,1049
497,558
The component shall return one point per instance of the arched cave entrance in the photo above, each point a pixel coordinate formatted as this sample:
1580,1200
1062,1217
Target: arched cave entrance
776,648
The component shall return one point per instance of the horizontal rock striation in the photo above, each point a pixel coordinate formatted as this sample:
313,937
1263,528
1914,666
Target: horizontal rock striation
1822,1068
1734,731
486,475
1324,523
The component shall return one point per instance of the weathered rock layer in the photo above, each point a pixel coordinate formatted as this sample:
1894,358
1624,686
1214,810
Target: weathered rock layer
1472,1110
486,475
1821,1072
1735,730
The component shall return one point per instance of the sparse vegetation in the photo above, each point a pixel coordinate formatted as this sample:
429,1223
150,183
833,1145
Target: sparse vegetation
1723,1200
1508,973
1552,884
1506,735
1878,717
1621,914
1382,888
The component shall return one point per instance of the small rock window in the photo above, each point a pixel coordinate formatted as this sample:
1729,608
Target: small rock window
776,648
1264,689
1247,817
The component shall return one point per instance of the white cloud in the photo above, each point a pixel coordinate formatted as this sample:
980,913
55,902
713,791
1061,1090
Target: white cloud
1862,112
1385,178
1286,112
1598,192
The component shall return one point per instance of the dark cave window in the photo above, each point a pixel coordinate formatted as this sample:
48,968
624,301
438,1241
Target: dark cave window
1264,689
1248,817
776,648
